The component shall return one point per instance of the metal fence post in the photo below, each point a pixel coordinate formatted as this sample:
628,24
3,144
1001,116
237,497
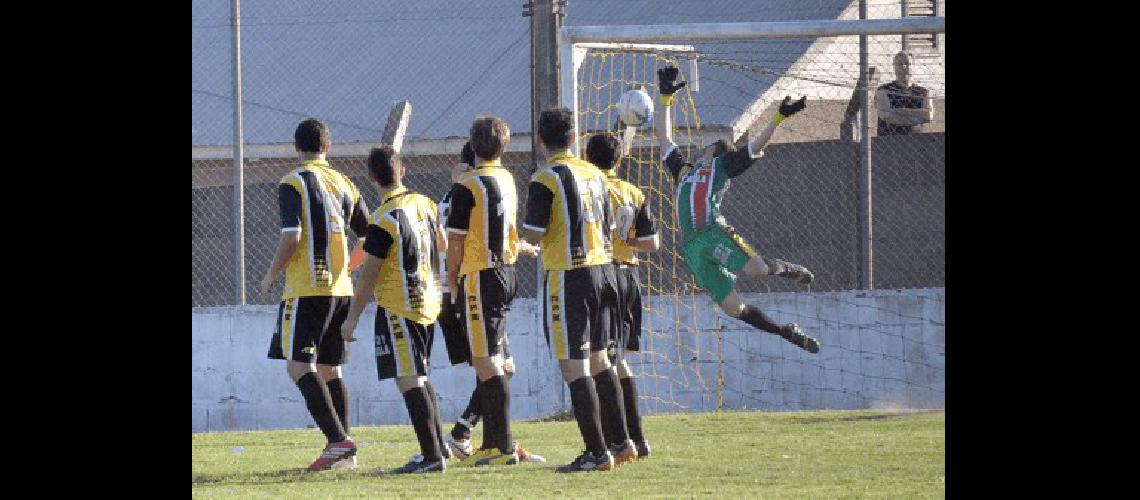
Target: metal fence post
866,261
239,195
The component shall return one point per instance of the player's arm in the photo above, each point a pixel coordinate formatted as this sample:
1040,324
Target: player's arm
458,221
538,202
645,230
667,85
289,205
736,162
358,222
376,246
902,116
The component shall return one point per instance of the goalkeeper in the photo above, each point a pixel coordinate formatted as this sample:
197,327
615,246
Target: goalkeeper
711,249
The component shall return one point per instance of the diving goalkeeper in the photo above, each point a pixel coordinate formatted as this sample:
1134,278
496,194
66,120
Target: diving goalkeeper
711,249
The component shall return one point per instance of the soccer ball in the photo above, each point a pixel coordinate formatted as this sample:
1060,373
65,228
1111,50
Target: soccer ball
635,108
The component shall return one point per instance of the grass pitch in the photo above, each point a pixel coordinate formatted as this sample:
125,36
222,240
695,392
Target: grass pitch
832,454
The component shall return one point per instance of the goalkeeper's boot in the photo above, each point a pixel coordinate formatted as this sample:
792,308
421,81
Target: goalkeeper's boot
794,334
643,449
589,462
794,272
624,452
420,466
333,453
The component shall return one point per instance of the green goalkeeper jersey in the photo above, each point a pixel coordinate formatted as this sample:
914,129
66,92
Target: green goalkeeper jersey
701,188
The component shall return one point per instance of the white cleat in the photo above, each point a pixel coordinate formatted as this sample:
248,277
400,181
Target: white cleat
344,463
460,448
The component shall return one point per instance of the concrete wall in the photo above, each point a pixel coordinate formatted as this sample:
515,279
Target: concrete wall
880,349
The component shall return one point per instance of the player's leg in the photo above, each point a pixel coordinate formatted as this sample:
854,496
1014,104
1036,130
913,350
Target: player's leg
604,325
486,296
630,291
331,353
567,327
745,259
300,322
733,305
400,345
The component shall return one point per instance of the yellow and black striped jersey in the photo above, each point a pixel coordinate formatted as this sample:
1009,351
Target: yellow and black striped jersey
484,207
624,194
317,201
568,201
402,232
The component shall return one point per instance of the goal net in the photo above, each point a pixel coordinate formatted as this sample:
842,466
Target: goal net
883,344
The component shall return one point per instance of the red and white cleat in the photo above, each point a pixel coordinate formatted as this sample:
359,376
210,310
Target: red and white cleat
333,453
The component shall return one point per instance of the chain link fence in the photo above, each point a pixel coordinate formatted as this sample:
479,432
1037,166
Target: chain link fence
347,63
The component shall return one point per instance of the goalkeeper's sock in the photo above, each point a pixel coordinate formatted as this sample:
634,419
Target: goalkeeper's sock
420,412
320,406
584,399
611,406
338,392
755,317
632,416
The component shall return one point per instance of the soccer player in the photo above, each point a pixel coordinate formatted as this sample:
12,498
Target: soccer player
712,250
317,205
635,231
401,249
568,212
482,248
458,441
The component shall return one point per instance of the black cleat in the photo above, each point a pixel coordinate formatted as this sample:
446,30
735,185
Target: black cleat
794,272
420,466
794,334
588,462
642,449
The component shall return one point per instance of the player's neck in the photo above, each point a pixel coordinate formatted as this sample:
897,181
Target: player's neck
384,192
481,163
307,157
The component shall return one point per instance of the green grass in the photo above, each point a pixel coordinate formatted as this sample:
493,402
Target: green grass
834,454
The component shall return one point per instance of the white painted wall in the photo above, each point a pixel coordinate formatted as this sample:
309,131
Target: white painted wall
880,349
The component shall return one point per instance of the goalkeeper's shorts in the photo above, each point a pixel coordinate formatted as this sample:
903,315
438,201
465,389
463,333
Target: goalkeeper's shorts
714,256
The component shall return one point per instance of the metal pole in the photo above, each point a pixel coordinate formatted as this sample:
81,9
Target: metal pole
905,10
866,263
239,196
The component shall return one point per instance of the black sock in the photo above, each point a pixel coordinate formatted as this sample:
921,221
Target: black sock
339,394
320,406
611,406
632,416
470,415
420,411
755,317
434,400
496,406
584,398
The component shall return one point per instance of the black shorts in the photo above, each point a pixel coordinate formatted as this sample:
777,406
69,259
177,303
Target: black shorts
403,346
486,296
580,310
308,325
629,312
454,335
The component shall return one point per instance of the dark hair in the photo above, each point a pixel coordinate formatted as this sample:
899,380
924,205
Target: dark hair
467,156
311,136
382,165
603,150
556,127
721,146
490,136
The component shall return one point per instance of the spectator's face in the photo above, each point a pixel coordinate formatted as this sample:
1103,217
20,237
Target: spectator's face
902,67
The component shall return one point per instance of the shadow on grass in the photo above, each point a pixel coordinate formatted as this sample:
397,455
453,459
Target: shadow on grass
297,475
878,416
